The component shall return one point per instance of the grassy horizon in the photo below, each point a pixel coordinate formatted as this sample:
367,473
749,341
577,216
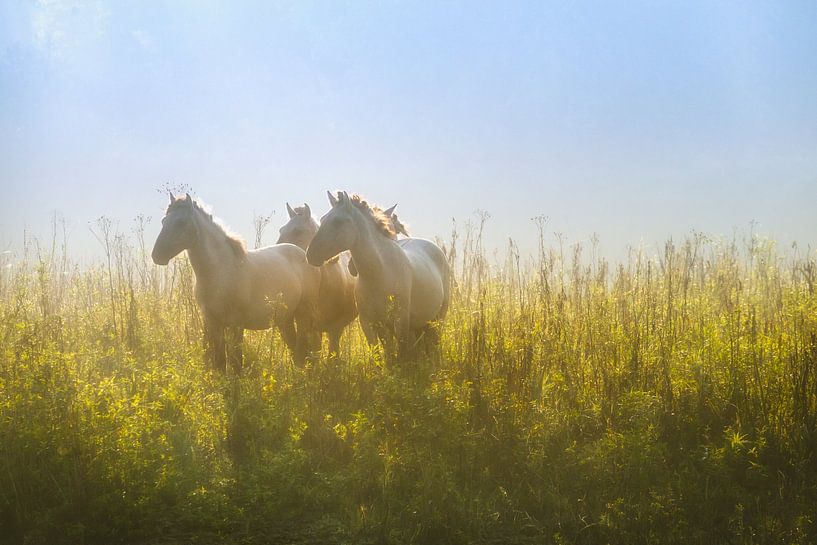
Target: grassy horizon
668,398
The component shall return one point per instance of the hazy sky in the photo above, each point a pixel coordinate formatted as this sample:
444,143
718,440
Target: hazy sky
635,120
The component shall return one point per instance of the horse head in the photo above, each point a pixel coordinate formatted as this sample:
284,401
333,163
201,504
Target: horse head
179,230
338,230
301,227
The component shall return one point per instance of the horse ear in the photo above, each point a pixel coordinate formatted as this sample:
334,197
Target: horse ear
172,198
307,210
390,211
290,211
344,197
332,199
189,200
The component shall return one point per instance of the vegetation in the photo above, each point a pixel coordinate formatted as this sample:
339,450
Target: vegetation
666,399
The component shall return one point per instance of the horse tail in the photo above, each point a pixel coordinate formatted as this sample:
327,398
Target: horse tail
448,278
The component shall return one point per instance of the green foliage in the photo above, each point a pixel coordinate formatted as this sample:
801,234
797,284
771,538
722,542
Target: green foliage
666,400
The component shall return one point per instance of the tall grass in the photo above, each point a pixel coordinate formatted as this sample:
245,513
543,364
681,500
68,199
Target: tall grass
668,398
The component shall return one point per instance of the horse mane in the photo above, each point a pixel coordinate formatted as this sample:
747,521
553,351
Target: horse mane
236,243
376,214
300,210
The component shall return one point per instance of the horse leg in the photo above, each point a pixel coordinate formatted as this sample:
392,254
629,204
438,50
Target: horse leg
301,350
385,334
403,334
433,333
308,336
302,343
214,345
370,330
235,353
286,325
334,342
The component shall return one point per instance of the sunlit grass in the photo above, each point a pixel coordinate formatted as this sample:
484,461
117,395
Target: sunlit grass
668,398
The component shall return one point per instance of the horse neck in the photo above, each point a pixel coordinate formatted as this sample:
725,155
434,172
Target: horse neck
368,249
212,252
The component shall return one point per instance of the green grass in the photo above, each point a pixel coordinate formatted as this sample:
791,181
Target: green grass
667,399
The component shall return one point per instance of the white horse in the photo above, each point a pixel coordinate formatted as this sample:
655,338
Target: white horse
238,289
401,289
336,302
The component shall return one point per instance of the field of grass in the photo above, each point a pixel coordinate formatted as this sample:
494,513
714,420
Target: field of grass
663,399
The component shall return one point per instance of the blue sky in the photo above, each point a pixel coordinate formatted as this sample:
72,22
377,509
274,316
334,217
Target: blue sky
634,120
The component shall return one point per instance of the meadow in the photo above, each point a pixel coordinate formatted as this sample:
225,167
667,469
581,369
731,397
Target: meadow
667,398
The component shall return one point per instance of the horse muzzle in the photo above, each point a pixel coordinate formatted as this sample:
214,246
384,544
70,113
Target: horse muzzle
160,260
159,257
